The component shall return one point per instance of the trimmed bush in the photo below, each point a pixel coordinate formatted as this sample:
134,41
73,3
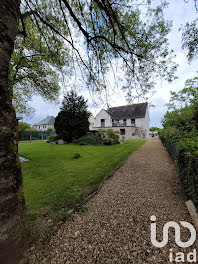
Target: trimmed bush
108,141
107,137
52,138
114,136
89,139
76,156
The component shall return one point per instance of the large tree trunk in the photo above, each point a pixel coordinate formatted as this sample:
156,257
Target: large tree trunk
12,206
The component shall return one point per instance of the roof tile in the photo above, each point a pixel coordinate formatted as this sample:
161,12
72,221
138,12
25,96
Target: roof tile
128,111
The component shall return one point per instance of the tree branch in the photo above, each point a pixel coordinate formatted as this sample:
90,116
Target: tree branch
76,19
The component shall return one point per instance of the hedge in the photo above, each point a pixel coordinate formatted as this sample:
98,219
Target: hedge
187,166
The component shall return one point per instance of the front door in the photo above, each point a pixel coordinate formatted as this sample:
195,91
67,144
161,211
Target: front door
122,131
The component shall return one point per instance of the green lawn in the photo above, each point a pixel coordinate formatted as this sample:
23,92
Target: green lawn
54,180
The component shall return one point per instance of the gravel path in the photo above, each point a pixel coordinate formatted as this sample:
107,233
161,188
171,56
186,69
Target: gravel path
116,227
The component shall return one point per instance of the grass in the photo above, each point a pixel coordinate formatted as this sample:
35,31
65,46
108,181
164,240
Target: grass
54,182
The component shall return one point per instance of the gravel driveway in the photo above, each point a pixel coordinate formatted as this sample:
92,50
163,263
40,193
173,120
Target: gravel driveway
116,227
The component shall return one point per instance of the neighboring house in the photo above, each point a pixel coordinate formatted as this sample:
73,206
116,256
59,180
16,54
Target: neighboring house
153,133
130,120
91,122
45,124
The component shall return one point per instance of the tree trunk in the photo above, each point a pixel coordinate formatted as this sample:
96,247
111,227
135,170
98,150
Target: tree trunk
12,206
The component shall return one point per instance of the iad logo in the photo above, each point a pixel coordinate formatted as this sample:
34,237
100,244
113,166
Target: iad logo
191,257
177,233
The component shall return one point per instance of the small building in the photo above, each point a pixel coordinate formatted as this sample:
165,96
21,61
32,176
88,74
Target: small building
132,121
45,124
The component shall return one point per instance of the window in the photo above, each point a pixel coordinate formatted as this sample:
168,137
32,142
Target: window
133,121
102,122
122,131
124,122
115,122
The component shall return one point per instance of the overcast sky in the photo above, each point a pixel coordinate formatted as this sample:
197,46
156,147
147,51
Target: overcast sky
180,13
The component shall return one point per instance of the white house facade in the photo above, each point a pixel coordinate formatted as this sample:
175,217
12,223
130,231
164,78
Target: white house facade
130,120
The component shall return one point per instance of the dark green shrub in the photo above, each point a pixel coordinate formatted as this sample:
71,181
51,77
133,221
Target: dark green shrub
189,146
108,141
72,121
108,137
113,135
89,139
76,156
52,138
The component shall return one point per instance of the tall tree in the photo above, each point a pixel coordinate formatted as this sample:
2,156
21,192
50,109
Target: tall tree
72,121
99,35
11,193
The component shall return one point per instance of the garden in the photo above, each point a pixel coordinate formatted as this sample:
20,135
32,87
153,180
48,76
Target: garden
55,181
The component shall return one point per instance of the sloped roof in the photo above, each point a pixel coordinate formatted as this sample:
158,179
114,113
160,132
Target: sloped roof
49,120
128,111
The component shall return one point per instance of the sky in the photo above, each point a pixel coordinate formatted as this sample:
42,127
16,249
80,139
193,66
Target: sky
180,13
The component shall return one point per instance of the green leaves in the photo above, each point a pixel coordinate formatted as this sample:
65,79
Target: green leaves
72,121
190,39
37,61
100,38
188,95
181,125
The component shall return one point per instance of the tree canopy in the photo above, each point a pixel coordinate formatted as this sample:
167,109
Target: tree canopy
182,121
96,37
153,128
23,126
190,39
37,62
190,36
186,96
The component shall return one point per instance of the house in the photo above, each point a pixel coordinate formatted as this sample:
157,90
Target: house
130,120
45,124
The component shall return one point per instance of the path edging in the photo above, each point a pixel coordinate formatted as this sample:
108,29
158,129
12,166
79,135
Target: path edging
92,194
193,213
